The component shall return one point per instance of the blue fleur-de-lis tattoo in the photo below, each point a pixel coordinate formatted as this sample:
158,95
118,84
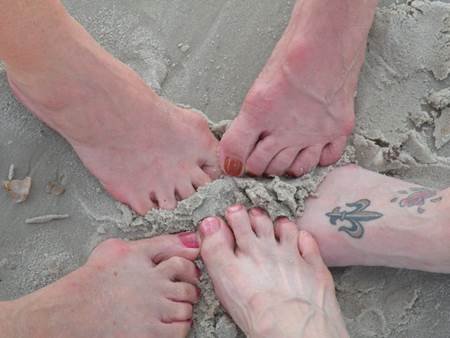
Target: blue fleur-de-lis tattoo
354,218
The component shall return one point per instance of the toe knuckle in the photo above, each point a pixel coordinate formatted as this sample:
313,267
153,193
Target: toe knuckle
187,291
184,311
179,264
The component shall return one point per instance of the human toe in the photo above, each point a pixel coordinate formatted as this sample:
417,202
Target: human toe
333,151
263,154
282,161
161,248
309,249
261,223
236,145
184,189
217,243
166,199
183,292
176,311
199,178
306,161
239,221
140,202
286,232
179,269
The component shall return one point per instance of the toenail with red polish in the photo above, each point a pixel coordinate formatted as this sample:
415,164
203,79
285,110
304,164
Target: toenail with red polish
189,240
235,208
199,292
233,167
209,226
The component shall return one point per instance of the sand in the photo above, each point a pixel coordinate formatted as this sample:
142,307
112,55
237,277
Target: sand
402,130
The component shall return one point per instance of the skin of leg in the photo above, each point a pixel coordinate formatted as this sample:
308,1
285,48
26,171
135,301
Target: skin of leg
132,140
412,232
126,289
272,283
300,110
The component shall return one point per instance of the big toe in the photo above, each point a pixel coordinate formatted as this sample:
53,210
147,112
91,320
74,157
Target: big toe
236,146
217,244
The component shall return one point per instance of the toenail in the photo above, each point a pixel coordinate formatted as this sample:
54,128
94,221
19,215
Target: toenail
209,226
257,212
235,208
283,220
233,167
199,292
304,233
189,240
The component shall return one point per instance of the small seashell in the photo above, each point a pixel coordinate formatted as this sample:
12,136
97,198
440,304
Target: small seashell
45,219
11,172
18,189
55,188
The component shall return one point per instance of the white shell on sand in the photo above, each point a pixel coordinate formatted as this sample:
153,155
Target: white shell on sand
18,189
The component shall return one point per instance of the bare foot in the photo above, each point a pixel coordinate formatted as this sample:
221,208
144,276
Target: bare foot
141,289
300,110
144,150
364,218
271,286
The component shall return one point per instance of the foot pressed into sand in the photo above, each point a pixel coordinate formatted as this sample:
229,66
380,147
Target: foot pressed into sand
273,282
126,289
300,110
146,151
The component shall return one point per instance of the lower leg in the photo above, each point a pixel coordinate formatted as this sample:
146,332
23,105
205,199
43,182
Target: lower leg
138,145
389,222
300,110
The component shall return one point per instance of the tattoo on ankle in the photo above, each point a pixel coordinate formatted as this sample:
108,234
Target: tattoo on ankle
354,217
417,197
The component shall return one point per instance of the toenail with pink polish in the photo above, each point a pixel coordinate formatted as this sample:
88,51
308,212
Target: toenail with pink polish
189,240
209,226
